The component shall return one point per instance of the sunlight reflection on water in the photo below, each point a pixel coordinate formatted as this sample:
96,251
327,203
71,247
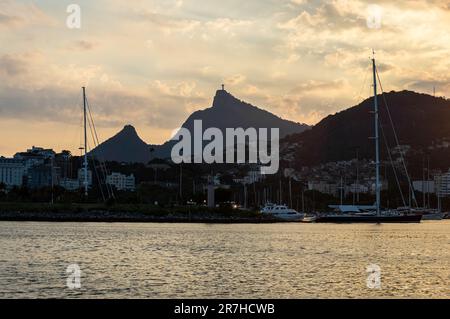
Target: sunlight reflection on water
224,261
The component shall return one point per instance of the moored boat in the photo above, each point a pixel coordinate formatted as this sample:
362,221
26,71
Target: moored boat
308,219
371,214
432,215
282,212
358,216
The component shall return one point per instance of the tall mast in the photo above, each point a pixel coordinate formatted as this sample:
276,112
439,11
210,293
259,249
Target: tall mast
85,169
377,138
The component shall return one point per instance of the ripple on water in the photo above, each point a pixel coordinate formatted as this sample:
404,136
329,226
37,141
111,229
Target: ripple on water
224,261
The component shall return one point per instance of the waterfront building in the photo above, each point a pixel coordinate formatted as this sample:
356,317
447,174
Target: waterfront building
334,189
356,188
121,182
324,187
384,185
11,172
43,175
35,156
63,160
442,182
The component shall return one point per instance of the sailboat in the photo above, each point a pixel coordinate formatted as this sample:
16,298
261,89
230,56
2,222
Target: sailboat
371,214
98,165
85,160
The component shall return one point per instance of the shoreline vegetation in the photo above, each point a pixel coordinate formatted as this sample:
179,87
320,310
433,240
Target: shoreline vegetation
137,213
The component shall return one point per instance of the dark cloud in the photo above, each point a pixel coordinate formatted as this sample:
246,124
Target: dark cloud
381,66
428,86
84,45
12,65
9,20
109,107
318,85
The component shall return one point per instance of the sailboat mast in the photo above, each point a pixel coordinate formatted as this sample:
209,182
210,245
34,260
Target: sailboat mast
377,137
85,170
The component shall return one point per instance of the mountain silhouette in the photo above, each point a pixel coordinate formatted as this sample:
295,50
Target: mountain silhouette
125,146
420,120
226,112
230,112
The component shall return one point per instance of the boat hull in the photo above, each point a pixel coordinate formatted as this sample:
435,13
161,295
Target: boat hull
308,219
369,219
435,216
289,218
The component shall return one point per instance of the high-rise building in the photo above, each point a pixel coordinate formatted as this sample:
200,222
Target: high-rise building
43,175
12,172
442,183
63,160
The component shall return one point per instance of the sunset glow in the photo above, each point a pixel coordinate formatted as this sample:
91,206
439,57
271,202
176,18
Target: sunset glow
152,63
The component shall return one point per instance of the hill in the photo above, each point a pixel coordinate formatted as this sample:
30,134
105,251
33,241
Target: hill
421,122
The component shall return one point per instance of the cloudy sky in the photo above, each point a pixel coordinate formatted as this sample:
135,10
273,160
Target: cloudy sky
151,63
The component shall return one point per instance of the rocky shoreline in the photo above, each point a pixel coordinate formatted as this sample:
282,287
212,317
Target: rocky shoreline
131,217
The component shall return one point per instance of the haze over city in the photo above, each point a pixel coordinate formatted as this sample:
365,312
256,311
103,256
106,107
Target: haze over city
152,63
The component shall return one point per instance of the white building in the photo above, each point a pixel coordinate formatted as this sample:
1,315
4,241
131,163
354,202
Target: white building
401,150
34,156
324,187
335,189
44,152
442,183
357,188
11,172
121,182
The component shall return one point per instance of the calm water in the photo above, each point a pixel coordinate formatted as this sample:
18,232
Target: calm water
224,261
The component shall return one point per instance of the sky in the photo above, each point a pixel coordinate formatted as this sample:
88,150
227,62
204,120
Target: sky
151,63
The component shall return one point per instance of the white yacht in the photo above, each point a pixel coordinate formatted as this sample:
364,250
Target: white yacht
282,212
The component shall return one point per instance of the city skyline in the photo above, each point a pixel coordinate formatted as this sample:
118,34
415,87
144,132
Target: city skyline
151,64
